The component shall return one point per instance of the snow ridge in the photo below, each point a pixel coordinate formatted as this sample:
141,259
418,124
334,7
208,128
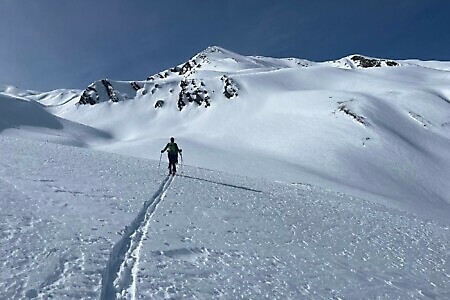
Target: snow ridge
119,278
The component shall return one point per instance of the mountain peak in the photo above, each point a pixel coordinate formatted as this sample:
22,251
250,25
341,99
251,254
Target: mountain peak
217,50
214,67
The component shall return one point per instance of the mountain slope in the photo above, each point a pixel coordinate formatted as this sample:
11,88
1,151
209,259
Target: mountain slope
342,189
20,117
379,131
375,128
76,222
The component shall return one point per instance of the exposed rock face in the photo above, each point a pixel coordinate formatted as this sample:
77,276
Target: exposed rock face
191,77
422,120
230,88
159,104
365,62
110,91
196,62
345,109
192,92
135,86
188,67
91,95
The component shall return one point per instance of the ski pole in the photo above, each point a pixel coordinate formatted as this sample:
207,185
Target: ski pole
182,169
159,164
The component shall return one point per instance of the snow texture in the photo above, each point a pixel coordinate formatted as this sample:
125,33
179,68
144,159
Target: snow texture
301,180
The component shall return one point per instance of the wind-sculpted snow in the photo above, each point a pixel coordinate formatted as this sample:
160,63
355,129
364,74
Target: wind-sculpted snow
61,211
374,128
19,117
15,113
75,222
255,239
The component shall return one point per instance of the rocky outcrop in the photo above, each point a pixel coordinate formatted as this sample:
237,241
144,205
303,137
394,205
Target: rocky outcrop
190,92
360,119
136,86
188,67
196,62
230,88
110,91
424,122
343,107
91,95
365,62
159,104
187,81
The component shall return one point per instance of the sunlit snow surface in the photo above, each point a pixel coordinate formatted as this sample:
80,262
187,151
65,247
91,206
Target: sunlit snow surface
212,235
354,204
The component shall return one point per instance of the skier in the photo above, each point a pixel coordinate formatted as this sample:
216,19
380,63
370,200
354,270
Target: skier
172,154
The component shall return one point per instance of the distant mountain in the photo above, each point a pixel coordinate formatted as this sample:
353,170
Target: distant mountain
187,80
375,128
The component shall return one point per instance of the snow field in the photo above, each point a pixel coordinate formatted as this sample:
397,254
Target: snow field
212,235
378,133
62,209
277,241
79,223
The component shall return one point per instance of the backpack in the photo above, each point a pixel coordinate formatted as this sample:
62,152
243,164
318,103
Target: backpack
172,148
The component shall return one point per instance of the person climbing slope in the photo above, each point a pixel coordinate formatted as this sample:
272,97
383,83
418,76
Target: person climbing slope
172,154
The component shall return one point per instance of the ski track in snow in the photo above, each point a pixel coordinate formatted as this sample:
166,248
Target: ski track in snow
120,277
57,227
215,235
224,236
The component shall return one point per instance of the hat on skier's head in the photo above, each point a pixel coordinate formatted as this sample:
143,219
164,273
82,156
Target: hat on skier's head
172,139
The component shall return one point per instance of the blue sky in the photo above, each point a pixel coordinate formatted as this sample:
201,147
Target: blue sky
51,44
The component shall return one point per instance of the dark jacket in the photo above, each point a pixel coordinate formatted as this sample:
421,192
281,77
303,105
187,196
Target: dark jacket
172,148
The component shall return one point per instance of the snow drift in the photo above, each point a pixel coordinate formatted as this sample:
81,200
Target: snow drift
20,117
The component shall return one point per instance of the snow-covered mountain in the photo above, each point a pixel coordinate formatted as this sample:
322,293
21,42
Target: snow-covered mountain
346,163
372,127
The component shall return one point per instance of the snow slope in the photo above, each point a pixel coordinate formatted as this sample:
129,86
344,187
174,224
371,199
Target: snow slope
19,117
380,133
61,210
300,180
81,224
